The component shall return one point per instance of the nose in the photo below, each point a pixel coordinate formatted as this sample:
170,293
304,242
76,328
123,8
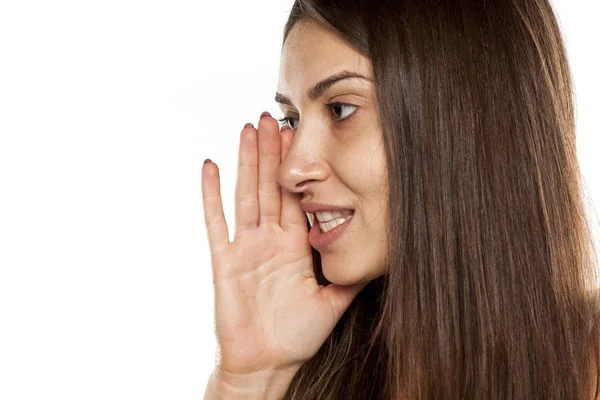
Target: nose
303,166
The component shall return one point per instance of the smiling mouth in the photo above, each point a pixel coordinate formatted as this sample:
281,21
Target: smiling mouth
324,234
332,219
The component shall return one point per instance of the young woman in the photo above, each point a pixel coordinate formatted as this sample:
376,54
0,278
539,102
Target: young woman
438,140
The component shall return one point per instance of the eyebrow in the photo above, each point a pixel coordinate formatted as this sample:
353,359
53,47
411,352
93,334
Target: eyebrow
320,88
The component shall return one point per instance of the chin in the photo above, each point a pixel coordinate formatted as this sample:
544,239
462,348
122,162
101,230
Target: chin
341,276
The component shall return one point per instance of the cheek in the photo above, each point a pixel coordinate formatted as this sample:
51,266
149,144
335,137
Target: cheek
361,161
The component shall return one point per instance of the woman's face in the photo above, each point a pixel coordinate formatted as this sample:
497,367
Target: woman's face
335,162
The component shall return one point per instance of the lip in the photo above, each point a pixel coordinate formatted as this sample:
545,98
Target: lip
320,240
311,207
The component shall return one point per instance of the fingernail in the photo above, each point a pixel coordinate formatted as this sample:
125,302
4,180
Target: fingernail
248,125
207,160
265,114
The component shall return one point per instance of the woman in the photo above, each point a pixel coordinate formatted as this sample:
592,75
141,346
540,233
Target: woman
463,266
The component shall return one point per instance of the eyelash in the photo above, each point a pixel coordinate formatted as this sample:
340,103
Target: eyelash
286,120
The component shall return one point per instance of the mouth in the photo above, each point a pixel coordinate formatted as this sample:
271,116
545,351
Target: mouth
322,234
328,220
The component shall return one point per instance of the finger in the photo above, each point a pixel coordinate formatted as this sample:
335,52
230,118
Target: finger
216,226
246,192
269,159
292,215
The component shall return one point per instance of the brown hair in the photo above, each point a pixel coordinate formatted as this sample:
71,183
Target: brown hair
492,272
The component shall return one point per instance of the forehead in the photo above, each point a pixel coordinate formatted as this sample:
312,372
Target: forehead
313,52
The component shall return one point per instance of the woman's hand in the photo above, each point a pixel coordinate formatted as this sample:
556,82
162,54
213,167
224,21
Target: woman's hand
270,312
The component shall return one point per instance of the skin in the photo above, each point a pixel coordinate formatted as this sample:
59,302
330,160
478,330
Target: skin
332,161
271,314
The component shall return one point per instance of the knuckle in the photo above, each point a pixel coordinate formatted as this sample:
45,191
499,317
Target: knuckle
269,153
247,199
268,187
210,222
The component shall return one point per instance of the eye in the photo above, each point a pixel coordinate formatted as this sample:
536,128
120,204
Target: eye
286,121
341,106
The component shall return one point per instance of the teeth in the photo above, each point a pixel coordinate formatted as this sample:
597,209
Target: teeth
326,216
331,218
327,226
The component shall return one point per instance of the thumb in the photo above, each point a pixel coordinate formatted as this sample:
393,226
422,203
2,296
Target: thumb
340,296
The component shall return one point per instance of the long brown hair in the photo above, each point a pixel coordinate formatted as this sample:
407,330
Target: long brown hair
490,288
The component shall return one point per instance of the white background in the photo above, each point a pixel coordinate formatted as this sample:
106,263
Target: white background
107,111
